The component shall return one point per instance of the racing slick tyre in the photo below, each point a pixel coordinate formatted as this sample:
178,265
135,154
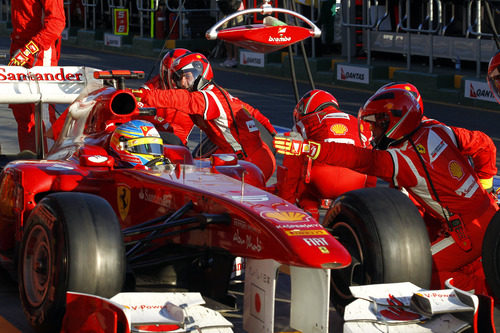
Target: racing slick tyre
491,255
386,237
71,241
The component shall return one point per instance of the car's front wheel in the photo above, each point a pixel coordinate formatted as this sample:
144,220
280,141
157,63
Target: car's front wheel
71,242
386,237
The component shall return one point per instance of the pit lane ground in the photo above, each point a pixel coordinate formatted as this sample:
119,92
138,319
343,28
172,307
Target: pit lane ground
274,97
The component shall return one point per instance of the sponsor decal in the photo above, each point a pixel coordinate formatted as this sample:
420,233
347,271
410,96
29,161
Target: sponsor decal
149,195
59,76
421,148
123,200
281,39
338,129
455,170
250,198
98,159
468,188
352,73
478,90
254,59
248,241
251,126
436,146
296,226
315,232
286,216
323,250
320,241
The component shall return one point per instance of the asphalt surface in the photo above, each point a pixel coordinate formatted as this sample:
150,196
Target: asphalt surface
274,97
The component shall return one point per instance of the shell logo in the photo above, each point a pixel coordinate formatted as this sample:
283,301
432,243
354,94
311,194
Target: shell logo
456,170
286,216
338,129
389,106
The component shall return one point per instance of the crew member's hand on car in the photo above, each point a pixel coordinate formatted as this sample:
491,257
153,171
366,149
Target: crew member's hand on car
25,56
292,143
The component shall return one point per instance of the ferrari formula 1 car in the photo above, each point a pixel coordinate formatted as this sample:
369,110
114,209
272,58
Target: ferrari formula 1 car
73,221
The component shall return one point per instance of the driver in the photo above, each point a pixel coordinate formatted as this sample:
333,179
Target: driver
493,76
136,143
422,158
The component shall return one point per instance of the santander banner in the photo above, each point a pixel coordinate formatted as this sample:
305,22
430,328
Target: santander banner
44,84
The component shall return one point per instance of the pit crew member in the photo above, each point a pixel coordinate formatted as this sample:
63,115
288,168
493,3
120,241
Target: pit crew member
422,158
174,126
225,119
35,41
493,76
306,182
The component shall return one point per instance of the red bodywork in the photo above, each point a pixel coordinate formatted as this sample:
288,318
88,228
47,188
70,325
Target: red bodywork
262,224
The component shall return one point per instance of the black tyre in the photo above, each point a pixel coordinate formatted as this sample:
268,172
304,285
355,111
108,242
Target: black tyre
491,255
72,241
386,237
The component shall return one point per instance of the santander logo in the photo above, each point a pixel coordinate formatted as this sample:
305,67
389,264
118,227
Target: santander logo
60,76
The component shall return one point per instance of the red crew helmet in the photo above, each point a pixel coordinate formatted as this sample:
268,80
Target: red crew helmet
407,86
191,71
393,114
313,101
493,77
166,62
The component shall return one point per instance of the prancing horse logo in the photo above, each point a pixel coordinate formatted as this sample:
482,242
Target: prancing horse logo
123,200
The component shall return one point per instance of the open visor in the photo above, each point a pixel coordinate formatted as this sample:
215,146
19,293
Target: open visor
145,146
188,74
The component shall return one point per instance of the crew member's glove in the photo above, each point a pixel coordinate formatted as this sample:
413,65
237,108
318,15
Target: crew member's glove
292,143
25,56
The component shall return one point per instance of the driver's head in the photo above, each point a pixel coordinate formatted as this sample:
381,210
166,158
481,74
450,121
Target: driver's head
191,71
166,62
136,142
493,77
392,115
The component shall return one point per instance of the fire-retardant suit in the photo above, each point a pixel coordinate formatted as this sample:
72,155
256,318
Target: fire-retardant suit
35,41
317,117
226,120
424,158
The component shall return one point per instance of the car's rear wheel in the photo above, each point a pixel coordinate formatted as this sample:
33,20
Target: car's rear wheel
386,237
491,255
71,241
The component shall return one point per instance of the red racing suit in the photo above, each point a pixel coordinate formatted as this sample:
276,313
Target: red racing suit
174,121
229,126
308,182
42,22
432,168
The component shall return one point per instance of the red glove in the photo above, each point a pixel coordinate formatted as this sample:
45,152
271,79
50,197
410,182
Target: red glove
292,143
26,56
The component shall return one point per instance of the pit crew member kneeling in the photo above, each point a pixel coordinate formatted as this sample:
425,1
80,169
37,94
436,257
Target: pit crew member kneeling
306,182
422,158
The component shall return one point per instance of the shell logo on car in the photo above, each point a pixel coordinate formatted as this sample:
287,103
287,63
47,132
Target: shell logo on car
286,216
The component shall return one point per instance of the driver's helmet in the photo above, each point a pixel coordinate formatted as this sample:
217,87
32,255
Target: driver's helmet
136,142
407,86
191,71
166,62
313,101
493,77
392,115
